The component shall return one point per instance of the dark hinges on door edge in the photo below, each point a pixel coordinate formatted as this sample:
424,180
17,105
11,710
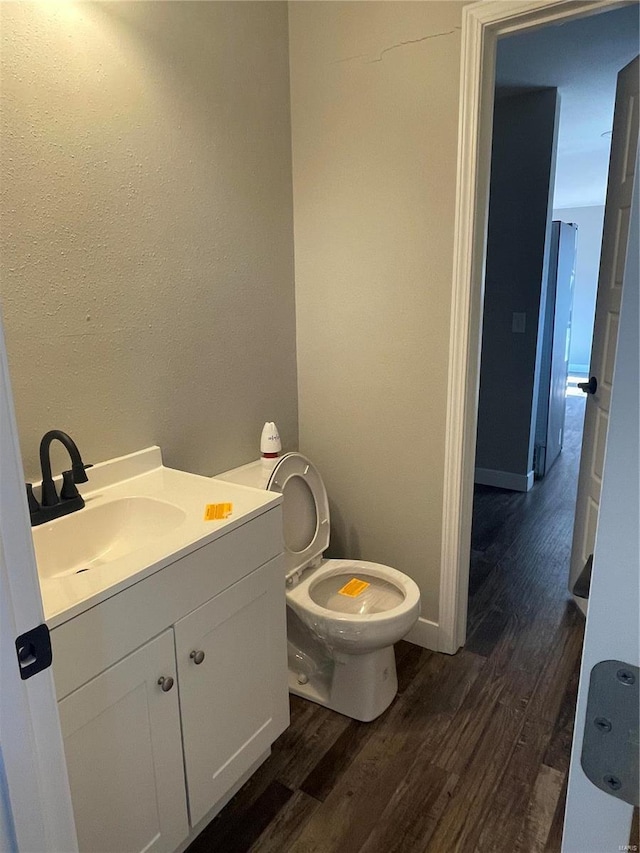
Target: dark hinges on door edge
34,651
611,730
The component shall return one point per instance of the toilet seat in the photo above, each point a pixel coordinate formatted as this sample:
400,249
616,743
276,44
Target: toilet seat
306,529
345,570
305,511
355,633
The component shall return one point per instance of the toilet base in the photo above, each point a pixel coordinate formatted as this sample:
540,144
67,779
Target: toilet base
358,686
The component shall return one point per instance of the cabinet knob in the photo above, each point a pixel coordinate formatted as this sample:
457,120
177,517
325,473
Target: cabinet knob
197,656
166,683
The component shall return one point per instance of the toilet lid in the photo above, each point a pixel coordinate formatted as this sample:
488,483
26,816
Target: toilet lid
305,510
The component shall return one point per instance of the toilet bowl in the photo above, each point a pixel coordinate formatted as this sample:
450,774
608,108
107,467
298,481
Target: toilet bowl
343,616
379,616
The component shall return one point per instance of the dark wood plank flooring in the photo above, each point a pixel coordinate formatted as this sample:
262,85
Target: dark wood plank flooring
474,751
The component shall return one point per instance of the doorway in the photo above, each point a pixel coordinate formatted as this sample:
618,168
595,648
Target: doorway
483,25
529,329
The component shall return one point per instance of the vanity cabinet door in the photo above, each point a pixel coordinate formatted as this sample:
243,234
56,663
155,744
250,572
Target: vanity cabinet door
122,742
232,669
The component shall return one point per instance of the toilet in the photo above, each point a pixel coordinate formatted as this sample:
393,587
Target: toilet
343,616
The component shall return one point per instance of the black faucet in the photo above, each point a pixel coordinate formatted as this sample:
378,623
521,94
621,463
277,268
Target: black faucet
51,506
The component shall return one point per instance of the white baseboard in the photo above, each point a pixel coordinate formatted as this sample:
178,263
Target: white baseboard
424,633
504,479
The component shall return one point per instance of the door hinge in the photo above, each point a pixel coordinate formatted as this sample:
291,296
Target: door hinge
610,746
34,651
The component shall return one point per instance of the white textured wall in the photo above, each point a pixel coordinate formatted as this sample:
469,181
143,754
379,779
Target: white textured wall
590,221
374,100
146,227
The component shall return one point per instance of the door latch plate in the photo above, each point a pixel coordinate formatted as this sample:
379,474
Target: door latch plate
34,651
611,733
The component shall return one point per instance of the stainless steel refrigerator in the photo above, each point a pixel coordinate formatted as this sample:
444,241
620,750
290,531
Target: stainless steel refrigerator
556,337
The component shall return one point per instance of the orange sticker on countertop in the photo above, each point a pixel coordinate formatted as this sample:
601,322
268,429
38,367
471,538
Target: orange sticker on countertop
217,512
354,587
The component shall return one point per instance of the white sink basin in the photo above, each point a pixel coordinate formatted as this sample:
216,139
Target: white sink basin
139,517
100,534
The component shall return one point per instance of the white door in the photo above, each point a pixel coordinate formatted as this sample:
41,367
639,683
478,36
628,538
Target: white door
35,805
123,745
233,691
624,144
596,820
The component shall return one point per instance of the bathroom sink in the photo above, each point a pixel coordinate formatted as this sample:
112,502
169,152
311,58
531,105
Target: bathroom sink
101,534
139,516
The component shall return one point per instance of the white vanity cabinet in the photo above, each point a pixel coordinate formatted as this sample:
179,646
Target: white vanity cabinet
231,686
149,760
122,741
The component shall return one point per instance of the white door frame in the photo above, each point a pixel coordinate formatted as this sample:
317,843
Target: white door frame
35,802
482,24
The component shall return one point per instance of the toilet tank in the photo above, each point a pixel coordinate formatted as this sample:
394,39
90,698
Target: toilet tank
255,474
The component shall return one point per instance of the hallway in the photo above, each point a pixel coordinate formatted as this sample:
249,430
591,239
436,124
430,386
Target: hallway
474,751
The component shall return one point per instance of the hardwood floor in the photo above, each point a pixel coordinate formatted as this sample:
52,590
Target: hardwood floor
474,751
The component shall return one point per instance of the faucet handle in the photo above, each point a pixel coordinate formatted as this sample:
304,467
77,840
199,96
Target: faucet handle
69,480
69,489
34,506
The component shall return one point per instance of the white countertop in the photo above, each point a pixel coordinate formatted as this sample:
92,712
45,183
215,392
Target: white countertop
143,475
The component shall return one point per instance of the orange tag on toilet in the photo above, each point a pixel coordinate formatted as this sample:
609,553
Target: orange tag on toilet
354,588
216,512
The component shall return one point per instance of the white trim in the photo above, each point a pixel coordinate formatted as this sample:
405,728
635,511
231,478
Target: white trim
482,23
504,479
504,17
34,783
426,634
